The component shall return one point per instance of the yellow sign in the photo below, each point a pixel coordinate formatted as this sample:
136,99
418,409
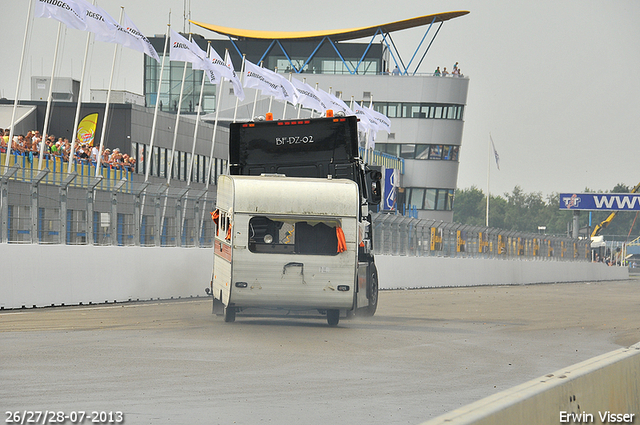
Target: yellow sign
87,129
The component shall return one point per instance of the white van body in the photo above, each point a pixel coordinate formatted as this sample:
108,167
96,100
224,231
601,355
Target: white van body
258,264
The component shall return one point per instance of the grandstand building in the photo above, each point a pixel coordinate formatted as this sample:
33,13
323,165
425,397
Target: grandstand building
426,110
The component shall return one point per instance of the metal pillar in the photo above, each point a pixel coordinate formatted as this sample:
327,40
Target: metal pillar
34,204
4,203
90,191
63,206
114,211
137,211
179,225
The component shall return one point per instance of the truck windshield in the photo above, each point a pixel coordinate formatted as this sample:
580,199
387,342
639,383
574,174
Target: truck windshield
308,236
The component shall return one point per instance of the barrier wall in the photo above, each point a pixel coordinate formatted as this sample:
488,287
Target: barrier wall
429,272
43,275
607,384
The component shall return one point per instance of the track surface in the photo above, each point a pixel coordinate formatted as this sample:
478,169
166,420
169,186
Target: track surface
424,353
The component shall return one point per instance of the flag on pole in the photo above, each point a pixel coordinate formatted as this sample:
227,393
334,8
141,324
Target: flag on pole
367,122
137,41
101,24
334,103
495,153
270,83
69,12
308,96
238,91
184,50
384,123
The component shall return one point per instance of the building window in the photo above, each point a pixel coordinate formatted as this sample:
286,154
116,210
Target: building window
419,110
420,151
429,198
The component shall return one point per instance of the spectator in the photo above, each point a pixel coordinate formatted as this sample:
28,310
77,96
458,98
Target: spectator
94,154
455,66
445,72
396,71
437,73
106,157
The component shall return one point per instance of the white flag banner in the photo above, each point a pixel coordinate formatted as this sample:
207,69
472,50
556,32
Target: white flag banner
69,12
258,78
366,122
269,82
137,41
238,91
384,123
308,96
184,50
334,103
101,24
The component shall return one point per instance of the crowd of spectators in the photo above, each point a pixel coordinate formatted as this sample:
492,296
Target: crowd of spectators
29,145
444,73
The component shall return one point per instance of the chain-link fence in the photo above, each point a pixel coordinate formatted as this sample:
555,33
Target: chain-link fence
402,235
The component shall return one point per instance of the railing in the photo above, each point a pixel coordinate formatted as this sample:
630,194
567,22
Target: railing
403,235
52,207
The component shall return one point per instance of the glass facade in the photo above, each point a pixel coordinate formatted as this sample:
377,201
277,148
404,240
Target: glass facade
429,198
436,111
419,151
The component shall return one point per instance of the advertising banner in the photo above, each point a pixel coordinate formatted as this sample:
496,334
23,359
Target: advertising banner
389,192
600,201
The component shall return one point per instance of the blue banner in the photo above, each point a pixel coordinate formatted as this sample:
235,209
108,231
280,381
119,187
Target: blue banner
600,201
390,184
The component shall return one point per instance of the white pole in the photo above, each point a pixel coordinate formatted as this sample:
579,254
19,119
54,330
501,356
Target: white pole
49,99
106,107
195,130
77,119
235,111
215,128
488,180
15,99
155,113
175,131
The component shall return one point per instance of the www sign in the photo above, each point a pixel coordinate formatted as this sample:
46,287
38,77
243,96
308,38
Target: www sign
600,201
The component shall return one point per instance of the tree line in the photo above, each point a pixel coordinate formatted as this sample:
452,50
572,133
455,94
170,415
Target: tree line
527,211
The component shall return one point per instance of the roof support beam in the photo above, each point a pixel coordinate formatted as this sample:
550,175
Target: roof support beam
420,44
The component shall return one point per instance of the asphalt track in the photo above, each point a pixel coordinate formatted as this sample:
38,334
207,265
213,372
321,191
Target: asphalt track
424,353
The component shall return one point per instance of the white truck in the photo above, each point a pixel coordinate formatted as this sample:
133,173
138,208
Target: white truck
293,229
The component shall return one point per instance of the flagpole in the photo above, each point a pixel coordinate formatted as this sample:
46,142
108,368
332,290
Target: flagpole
74,129
195,130
106,107
215,128
488,179
49,98
175,130
155,112
15,100
235,111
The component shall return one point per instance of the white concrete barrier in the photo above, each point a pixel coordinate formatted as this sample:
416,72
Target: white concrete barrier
429,272
44,275
604,389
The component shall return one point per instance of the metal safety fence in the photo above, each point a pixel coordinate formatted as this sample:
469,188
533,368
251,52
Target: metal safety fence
80,210
402,235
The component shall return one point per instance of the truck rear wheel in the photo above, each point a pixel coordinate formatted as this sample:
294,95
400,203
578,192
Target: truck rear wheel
229,314
333,317
370,310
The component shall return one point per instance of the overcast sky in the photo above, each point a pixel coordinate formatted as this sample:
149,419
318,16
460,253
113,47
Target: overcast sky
554,82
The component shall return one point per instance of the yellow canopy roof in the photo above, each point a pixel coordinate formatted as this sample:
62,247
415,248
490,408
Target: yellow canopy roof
336,35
